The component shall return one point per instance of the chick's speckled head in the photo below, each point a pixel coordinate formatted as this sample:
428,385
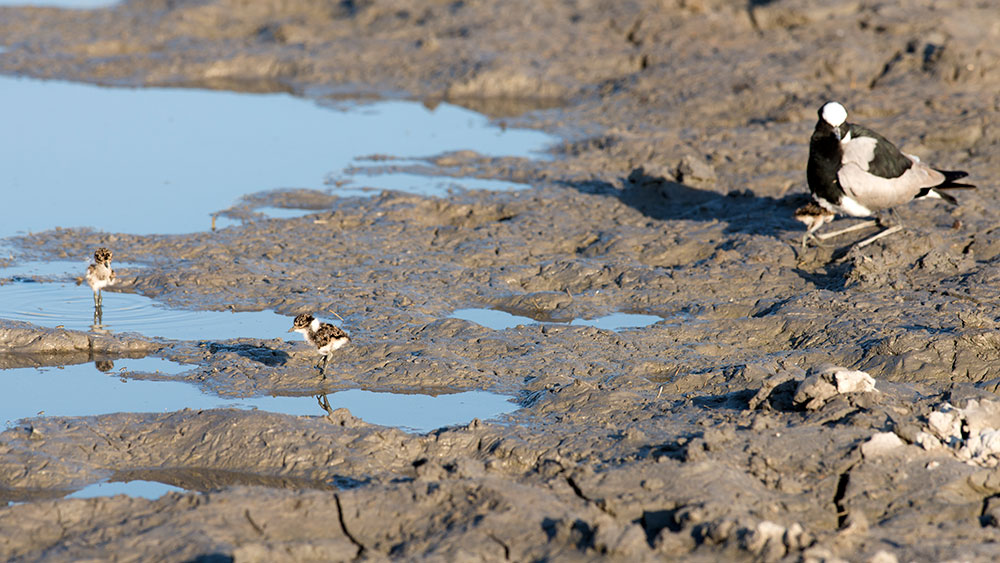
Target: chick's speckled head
302,321
102,255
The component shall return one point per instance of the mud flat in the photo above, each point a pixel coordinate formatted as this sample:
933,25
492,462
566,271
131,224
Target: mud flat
726,430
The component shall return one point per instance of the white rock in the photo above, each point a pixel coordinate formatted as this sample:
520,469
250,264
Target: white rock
880,443
945,424
979,422
828,381
981,415
883,557
984,448
928,441
767,539
852,381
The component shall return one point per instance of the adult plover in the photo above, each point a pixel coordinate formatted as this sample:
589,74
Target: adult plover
855,171
100,274
325,337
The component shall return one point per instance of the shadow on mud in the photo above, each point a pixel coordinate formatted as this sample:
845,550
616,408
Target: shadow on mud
261,354
664,199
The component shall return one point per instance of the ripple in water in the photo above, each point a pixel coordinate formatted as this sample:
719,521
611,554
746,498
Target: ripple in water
72,307
53,270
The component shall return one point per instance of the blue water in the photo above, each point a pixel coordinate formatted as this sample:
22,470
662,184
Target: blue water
140,489
53,270
86,390
423,185
365,185
413,412
71,306
618,321
163,160
501,320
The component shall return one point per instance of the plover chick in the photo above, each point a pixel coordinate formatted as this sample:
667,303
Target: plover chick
854,171
100,274
814,217
325,337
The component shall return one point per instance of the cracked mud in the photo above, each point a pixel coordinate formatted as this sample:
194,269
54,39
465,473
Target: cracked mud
721,432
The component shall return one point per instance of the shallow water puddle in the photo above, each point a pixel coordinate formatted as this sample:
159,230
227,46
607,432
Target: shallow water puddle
501,320
163,160
72,307
619,321
99,388
423,185
222,221
141,489
435,186
53,270
413,412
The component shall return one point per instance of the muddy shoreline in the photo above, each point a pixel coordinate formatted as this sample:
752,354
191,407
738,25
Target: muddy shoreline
719,432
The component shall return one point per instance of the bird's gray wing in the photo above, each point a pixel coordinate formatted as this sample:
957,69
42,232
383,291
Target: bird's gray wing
876,192
874,153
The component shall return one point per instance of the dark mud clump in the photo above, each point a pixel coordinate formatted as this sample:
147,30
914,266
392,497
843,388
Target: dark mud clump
724,431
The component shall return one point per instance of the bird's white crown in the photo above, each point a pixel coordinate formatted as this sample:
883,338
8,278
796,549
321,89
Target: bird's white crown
834,113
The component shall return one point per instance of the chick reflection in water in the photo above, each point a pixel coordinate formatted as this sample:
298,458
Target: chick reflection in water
100,275
324,403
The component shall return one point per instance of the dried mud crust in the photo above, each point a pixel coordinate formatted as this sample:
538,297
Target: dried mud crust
685,129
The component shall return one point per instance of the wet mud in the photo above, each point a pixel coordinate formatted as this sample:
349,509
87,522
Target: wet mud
725,431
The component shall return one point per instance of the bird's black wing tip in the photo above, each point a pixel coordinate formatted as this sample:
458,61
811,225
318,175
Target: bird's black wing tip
952,175
945,196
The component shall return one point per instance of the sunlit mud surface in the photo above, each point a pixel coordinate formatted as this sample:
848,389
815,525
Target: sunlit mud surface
721,430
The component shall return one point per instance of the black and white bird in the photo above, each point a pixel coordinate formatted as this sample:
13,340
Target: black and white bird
100,275
325,337
855,171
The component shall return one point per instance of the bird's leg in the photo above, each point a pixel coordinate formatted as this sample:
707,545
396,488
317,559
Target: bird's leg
811,235
897,216
875,237
322,366
98,308
886,229
851,229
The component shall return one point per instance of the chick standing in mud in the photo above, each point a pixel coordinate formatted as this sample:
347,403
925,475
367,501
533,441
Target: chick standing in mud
325,337
100,275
